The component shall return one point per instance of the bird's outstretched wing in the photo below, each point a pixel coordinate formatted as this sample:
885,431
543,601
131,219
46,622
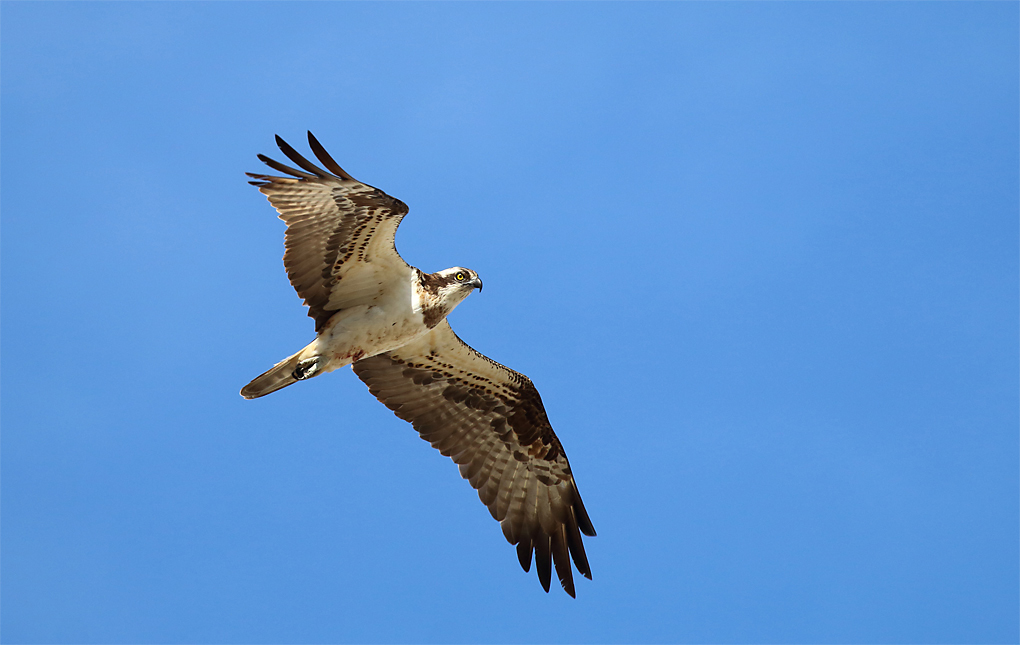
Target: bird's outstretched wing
339,242
490,420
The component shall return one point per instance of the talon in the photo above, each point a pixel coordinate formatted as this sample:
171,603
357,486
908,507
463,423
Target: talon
306,368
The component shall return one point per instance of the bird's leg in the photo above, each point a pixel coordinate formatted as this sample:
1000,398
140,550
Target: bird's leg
307,368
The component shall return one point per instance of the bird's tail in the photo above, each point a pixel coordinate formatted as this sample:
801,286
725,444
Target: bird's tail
276,378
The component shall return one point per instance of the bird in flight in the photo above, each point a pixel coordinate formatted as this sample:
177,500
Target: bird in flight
387,320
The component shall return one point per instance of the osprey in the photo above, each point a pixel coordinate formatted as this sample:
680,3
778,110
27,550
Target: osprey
387,320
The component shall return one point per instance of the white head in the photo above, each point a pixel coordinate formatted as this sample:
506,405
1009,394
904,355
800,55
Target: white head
446,289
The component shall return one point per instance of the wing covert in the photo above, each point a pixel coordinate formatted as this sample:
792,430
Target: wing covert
490,420
340,232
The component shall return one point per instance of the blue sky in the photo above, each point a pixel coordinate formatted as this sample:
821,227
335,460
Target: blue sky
761,260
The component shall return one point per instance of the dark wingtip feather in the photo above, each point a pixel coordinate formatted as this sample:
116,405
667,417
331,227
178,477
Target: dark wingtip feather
326,159
562,561
543,562
296,157
583,521
576,547
524,550
276,165
281,144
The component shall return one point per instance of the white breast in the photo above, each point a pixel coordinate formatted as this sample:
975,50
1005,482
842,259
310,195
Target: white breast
391,320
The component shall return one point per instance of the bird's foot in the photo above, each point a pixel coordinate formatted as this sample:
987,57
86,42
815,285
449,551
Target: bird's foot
307,368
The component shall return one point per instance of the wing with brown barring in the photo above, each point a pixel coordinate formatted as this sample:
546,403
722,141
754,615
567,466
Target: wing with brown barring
490,420
328,216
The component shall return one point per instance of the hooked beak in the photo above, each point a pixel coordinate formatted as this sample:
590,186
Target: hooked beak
476,283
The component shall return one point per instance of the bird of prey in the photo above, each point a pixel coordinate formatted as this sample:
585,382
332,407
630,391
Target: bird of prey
387,320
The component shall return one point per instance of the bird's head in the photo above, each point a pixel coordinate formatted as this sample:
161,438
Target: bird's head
444,290
459,280
451,286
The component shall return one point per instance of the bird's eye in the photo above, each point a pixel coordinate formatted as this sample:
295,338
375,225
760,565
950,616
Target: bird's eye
460,277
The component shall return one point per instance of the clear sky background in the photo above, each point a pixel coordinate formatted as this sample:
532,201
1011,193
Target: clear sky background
760,260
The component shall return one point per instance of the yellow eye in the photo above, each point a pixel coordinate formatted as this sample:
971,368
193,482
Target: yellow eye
460,277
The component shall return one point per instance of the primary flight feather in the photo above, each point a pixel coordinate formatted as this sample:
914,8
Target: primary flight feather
387,320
